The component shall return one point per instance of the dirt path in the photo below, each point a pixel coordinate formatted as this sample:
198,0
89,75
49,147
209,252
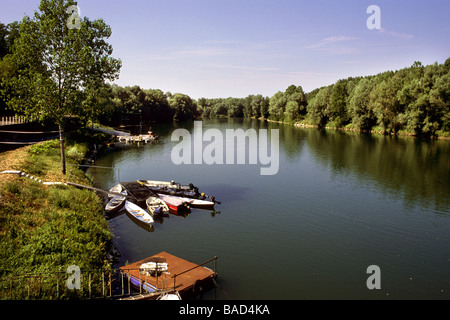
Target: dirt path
11,160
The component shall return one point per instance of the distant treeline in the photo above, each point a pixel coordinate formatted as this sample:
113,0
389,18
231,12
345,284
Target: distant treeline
413,100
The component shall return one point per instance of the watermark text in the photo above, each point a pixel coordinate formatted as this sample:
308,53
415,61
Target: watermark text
221,149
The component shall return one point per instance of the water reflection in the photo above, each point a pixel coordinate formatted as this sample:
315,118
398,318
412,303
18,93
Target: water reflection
404,167
340,202
416,170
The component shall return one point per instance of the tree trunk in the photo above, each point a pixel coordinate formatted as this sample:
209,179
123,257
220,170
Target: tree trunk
63,154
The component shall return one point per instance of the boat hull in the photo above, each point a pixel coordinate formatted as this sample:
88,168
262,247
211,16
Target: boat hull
116,203
138,213
156,206
193,203
174,204
172,188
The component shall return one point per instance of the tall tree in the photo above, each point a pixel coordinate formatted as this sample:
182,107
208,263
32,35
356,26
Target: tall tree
184,107
277,106
61,60
361,112
337,108
318,105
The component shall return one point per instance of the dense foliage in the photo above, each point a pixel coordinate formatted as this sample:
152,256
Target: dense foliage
53,70
43,229
412,100
415,100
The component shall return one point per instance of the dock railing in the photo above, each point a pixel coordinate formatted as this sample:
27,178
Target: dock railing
197,266
6,121
93,284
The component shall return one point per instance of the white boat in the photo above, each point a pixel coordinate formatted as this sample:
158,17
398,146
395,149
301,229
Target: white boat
116,203
156,206
193,203
138,213
153,268
166,184
156,183
169,296
116,189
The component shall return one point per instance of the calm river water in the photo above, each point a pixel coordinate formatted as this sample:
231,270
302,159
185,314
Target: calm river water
340,202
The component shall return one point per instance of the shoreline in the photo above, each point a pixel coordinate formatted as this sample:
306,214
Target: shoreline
46,228
381,133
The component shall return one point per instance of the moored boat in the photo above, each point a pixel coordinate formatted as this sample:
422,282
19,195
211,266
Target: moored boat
138,213
156,206
116,189
174,203
173,188
193,203
116,203
168,184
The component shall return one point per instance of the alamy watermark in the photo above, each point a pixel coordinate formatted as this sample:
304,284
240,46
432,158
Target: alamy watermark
221,149
74,21
74,280
374,280
374,21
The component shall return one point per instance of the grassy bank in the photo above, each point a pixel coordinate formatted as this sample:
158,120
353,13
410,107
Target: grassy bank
48,228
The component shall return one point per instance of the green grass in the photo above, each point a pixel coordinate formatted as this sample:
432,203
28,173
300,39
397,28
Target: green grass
48,228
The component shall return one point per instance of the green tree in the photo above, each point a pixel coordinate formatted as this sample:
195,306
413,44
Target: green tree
277,106
318,105
292,111
337,108
440,100
184,107
264,107
59,65
256,103
361,112
3,40
385,103
421,115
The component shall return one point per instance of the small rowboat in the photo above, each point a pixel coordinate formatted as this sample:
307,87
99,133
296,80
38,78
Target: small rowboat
156,206
116,203
174,203
193,203
116,189
138,213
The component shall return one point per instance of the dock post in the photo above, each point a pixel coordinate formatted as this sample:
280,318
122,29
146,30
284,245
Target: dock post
215,265
89,285
129,279
121,275
140,283
110,285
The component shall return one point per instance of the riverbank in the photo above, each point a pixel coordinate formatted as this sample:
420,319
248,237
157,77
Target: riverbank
441,134
49,228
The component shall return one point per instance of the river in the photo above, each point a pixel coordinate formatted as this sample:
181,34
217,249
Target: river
339,203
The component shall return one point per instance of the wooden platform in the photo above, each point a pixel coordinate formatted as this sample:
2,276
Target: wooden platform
138,191
188,278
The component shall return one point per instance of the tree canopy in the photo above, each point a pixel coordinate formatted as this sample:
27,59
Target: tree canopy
57,69
48,70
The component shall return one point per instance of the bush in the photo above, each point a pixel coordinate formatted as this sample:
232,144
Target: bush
77,152
46,148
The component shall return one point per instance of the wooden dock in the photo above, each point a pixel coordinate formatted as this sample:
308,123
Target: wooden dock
186,277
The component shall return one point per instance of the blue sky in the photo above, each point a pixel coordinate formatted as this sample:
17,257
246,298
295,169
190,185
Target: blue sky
233,48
